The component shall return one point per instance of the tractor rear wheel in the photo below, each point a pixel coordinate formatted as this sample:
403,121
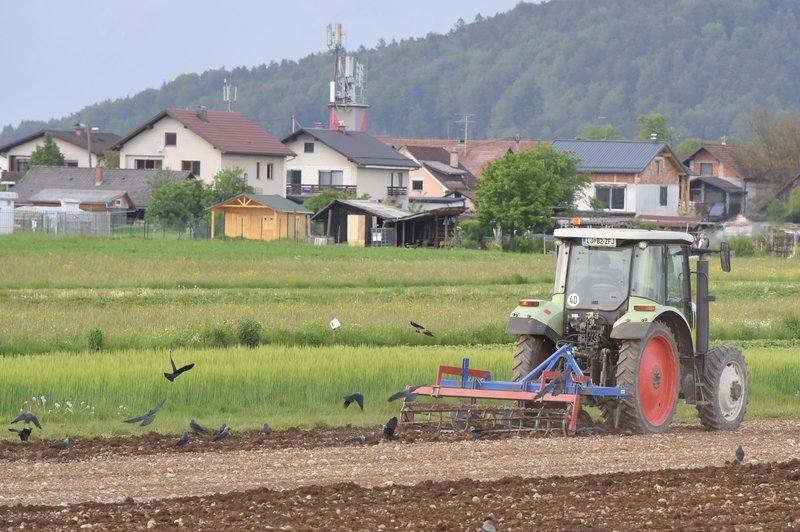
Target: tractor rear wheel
726,389
649,370
531,351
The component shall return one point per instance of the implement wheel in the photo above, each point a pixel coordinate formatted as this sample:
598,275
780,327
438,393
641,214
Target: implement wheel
649,370
726,389
531,351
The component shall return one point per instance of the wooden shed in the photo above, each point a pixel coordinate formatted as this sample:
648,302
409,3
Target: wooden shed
262,217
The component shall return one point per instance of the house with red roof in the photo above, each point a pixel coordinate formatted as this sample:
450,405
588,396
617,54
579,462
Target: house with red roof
206,142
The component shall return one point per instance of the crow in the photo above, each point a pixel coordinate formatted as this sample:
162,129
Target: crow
184,440
556,386
408,395
740,453
389,428
488,525
420,329
357,397
266,430
224,432
23,434
147,418
27,418
477,433
176,370
61,445
197,428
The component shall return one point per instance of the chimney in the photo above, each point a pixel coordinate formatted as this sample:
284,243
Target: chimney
342,126
78,130
202,113
454,158
98,176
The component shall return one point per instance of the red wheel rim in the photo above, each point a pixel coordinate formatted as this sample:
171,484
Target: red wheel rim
658,380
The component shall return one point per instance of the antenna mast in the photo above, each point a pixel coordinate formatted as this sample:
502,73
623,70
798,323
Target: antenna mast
348,95
465,121
229,94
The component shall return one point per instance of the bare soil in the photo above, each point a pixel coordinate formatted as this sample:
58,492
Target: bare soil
318,480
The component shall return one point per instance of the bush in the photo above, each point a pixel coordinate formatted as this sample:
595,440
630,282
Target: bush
472,231
249,333
97,340
219,336
742,246
791,327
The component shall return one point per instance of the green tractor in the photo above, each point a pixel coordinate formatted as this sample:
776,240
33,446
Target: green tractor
623,300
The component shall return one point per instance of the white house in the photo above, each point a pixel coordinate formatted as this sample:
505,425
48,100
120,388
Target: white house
206,142
350,161
82,147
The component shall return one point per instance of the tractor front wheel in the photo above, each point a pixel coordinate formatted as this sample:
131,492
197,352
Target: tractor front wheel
649,370
726,389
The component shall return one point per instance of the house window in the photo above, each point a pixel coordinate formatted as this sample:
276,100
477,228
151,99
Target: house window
331,177
270,171
73,164
148,164
662,197
170,139
706,168
612,197
192,166
20,164
658,165
258,170
416,184
396,179
294,177
308,147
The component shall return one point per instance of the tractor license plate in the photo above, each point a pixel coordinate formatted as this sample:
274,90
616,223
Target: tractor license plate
599,241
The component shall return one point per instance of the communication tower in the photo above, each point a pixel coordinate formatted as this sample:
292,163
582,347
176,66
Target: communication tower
348,95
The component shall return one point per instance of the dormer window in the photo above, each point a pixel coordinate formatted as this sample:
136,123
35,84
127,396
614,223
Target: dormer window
170,139
706,169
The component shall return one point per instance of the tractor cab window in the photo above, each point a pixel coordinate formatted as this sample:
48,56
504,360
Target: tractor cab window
648,273
679,287
597,277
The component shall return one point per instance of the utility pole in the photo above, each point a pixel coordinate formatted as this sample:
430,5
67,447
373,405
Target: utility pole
465,121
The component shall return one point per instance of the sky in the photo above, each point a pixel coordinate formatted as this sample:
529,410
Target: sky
69,54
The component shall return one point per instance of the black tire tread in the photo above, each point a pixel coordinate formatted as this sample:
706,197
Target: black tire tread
710,417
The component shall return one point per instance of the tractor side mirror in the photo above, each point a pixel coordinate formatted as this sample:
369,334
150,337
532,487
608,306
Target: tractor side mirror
725,256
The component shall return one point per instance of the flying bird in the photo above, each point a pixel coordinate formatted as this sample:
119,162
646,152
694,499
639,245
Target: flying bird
224,432
389,428
420,329
266,430
147,418
556,386
184,440
488,525
176,370
197,428
61,445
23,434
356,397
408,395
740,453
27,418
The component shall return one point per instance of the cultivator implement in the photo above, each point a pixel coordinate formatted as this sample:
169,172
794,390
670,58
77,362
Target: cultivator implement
547,400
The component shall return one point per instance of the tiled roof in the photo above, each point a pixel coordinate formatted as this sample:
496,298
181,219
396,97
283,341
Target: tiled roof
100,141
727,155
136,183
228,132
611,156
359,147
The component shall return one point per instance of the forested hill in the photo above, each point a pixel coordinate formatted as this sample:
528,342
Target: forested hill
539,71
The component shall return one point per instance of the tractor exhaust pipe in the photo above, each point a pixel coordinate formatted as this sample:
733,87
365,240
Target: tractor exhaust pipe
703,300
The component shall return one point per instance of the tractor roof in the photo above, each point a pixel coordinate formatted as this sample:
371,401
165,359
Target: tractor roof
624,234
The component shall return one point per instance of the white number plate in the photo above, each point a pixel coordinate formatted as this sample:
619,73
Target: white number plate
599,241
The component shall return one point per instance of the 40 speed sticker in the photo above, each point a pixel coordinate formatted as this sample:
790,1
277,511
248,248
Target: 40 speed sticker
573,299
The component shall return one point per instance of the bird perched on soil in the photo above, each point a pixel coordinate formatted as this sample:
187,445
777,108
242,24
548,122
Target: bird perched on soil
224,432
147,418
389,428
61,445
356,397
28,418
740,453
421,329
556,386
266,430
184,439
488,525
23,434
477,433
407,395
176,370
197,429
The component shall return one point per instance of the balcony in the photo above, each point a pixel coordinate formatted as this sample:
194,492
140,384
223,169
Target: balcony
307,191
396,192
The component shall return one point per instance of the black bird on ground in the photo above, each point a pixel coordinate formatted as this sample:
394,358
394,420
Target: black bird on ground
266,430
197,428
147,418
407,395
356,397
61,445
389,428
23,434
176,370
740,453
421,329
184,440
488,525
556,386
477,433
27,418
224,432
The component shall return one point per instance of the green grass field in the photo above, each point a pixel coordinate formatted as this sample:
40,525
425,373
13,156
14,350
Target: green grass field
151,296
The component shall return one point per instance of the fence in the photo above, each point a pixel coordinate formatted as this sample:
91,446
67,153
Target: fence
107,223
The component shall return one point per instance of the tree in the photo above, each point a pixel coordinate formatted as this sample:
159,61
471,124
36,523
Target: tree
521,191
321,200
601,133
111,159
228,183
178,205
773,148
778,211
47,154
654,124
